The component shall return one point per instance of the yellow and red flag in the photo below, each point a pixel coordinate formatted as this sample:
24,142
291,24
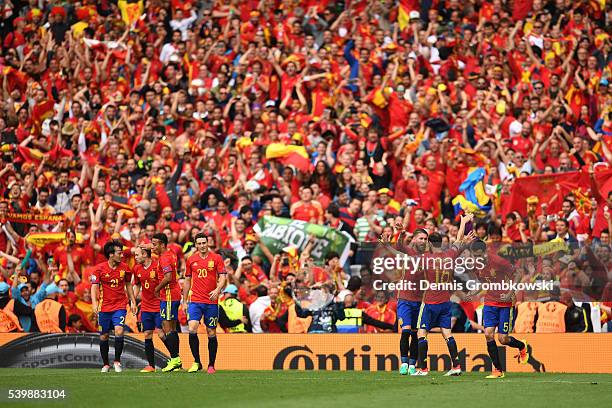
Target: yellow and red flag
403,12
289,155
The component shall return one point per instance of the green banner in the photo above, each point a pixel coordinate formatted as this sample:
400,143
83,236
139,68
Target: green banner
277,233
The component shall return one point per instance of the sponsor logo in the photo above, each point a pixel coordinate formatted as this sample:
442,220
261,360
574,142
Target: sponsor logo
303,358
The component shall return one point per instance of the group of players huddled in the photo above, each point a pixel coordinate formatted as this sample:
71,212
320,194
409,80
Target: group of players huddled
420,311
205,277
157,280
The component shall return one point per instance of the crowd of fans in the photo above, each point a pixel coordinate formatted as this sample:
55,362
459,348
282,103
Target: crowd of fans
135,117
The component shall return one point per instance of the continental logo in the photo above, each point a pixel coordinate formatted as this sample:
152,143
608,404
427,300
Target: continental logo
303,358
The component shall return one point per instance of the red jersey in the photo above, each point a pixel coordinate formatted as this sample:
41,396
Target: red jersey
306,212
112,285
61,258
168,263
147,279
435,273
522,144
412,293
496,270
204,272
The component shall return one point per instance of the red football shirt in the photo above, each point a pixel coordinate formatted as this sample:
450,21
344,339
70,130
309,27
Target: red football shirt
168,263
306,212
412,277
436,275
112,285
61,258
204,272
147,279
496,270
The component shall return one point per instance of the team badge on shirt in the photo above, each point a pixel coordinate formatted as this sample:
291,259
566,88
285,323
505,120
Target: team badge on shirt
152,275
121,274
211,264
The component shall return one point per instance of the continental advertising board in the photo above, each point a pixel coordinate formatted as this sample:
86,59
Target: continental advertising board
576,353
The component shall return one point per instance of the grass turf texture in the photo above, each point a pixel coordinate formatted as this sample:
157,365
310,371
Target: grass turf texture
90,388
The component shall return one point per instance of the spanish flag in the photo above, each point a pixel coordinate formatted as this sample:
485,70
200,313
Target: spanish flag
42,111
42,239
30,155
127,209
365,120
289,155
15,78
130,11
403,12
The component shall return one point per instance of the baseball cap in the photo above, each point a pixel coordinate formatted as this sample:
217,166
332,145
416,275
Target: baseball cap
53,288
4,287
231,289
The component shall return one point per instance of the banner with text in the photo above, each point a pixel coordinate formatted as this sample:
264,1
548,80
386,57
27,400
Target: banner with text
278,233
35,218
590,353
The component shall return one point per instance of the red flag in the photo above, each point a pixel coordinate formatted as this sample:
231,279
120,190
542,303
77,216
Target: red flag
603,184
550,189
57,152
30,155
42,111
15,78
521,9
297,160
603,178
545,188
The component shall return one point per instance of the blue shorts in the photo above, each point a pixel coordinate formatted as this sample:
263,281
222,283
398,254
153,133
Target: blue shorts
169,310
407,313
150,320
500,317
210,313
109,320
435,315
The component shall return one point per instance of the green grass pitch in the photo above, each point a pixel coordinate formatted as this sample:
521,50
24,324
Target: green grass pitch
89,388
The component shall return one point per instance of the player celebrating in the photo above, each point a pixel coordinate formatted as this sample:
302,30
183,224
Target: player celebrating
436,307
169,293
145,276
204,280
498,307
409,304
110,281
